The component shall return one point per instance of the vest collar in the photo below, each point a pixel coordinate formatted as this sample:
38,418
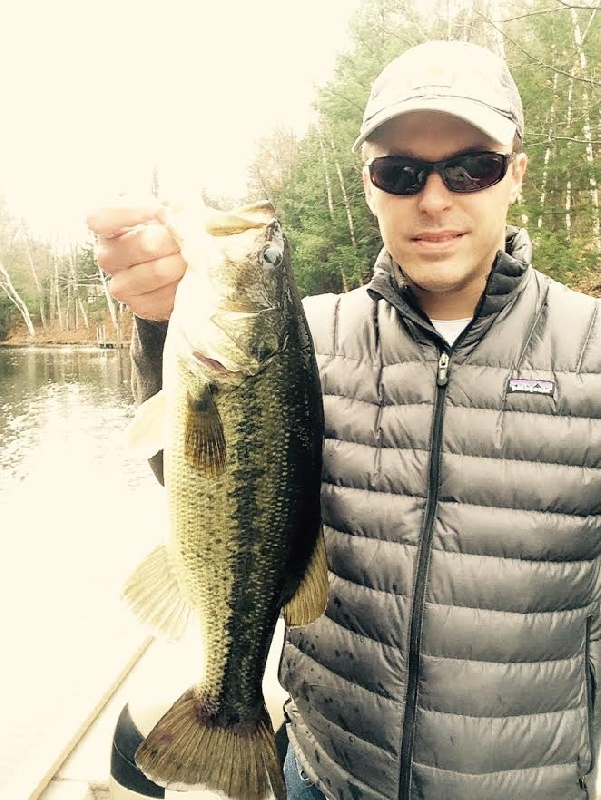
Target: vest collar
508,276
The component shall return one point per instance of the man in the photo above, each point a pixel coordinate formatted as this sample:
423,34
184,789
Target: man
459,655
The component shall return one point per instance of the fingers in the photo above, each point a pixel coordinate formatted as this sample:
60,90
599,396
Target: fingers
140,245
147,277
147,287
156,305
110,221
140,255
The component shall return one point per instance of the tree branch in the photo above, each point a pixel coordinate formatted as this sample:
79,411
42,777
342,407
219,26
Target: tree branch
535,60
580,8
528,14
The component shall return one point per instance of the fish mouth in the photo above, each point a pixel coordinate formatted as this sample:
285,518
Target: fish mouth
211,363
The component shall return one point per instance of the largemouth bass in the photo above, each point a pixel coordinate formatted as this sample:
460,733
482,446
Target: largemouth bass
240,420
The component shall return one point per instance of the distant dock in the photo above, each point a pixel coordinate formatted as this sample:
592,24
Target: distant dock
109,344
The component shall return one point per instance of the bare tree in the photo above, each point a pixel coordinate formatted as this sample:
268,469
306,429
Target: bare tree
587,128
79,307
474,23
111,305
37,282
7,285
326,175
55,293
548,149
345,197
272,166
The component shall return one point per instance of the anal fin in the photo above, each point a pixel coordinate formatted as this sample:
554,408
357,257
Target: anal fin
154,595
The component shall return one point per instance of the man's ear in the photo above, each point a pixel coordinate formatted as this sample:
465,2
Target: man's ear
368,191
518,170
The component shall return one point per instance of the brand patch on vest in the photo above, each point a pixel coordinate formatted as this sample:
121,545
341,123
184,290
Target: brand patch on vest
532,386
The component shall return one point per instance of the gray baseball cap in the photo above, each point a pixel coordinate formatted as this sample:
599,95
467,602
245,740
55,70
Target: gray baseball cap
457,78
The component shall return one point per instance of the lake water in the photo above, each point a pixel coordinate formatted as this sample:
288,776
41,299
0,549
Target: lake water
76,514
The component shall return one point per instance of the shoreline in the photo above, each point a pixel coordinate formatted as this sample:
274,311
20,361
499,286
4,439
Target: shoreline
101,336
78,344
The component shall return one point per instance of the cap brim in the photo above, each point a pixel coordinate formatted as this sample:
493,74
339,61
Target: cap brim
493,123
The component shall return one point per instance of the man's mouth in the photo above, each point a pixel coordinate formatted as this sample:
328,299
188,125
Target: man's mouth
437,237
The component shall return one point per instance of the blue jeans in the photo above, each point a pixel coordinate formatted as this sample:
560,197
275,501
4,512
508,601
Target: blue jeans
298,785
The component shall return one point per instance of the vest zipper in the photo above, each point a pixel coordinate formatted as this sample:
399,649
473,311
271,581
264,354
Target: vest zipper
419,591
589,692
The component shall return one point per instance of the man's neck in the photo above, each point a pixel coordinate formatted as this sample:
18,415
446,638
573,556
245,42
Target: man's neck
448,306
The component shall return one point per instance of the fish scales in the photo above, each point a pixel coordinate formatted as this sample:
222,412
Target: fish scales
242,465
250,517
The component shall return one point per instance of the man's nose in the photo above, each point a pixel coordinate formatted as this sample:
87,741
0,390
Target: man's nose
434,196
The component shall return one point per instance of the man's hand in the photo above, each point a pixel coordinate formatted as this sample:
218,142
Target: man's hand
138,252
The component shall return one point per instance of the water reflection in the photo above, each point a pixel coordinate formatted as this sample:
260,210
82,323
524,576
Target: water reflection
76,514
63,405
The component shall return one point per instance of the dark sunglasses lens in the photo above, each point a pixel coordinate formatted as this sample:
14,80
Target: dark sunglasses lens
396,175
471,173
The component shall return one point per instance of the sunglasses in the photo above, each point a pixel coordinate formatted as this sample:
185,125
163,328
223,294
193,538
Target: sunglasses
470,172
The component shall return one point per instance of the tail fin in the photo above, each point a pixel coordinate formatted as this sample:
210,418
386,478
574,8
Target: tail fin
188,750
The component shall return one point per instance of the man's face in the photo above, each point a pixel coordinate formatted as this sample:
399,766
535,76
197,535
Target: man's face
444,242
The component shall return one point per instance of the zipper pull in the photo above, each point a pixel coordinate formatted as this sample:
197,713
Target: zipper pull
442,375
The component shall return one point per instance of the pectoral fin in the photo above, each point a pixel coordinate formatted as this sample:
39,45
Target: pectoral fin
146,432
205,439
310,599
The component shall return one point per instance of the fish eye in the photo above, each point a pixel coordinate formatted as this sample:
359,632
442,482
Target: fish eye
272,256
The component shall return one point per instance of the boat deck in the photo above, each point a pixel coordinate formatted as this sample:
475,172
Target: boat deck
81,771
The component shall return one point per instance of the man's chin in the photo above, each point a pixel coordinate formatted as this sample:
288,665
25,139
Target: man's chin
440,276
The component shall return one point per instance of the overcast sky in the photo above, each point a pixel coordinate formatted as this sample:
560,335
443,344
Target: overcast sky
94,93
